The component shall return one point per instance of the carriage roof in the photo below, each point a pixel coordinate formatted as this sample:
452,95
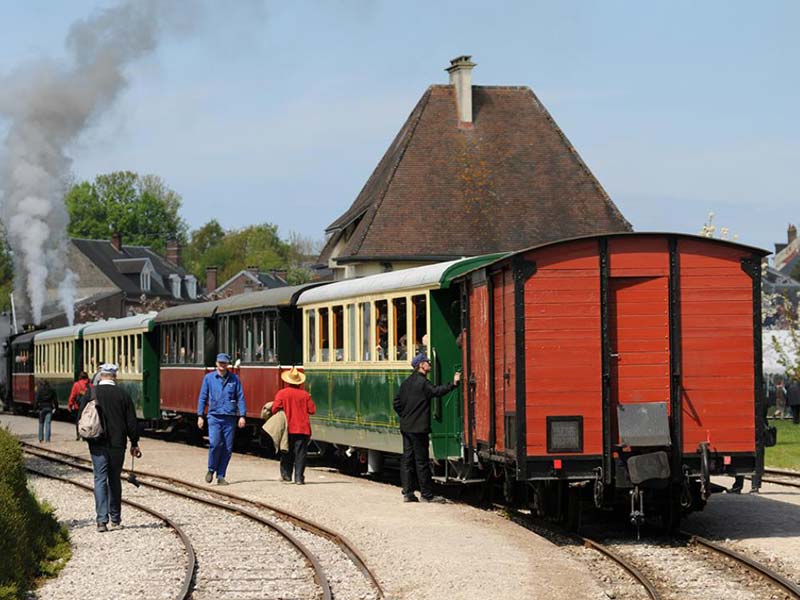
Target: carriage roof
142,322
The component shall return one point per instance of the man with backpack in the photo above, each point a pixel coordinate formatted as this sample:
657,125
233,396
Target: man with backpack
110,410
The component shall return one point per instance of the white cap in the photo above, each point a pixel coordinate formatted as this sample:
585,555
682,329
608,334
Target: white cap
109,368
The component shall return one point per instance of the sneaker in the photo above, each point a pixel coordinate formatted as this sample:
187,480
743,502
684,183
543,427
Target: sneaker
300,482
735,490
286,477
209,476
755,490
101,527
434,499
411,498
221,481
115,526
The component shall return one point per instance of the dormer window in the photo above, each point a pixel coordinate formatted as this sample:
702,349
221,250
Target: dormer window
191,286
175,280
144,280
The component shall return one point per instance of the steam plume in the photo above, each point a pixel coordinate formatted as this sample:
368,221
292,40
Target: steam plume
47,105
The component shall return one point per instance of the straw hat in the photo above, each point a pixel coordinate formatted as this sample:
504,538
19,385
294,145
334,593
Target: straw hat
293,377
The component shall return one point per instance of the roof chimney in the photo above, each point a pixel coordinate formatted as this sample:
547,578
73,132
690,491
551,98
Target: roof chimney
460,70
791,233
253,270
174,252
116,241
211,278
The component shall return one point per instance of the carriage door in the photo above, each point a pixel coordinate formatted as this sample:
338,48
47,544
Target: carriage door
638,311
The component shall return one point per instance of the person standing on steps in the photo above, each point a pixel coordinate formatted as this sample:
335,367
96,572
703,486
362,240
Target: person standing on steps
222,393
413,405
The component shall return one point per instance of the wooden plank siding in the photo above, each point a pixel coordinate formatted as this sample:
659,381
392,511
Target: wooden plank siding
479,359
563,343
717,348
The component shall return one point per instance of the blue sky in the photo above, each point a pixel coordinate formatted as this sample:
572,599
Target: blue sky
279,114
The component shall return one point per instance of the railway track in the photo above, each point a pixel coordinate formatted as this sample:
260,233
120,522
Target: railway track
782,477
329,548
186,586
680,566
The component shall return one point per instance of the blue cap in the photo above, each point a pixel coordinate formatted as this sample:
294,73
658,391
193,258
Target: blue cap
222,357
419,359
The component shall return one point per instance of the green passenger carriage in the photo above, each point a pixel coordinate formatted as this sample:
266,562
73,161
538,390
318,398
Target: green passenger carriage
58,358
359,338
131,343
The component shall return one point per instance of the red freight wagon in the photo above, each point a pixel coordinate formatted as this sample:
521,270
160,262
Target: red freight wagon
629,362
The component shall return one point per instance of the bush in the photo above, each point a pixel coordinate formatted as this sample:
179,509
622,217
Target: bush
32,543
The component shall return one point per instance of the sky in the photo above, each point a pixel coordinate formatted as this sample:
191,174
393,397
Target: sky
279,111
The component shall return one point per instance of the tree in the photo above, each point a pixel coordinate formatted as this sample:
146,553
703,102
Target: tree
140,208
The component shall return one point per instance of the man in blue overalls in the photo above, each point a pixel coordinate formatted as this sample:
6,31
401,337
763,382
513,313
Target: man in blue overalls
222,391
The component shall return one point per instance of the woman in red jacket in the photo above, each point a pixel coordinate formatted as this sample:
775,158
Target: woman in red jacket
297,405
79,389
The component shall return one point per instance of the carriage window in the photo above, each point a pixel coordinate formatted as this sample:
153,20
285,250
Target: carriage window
352,328
191,343
272,338
312,336
400,333
366,330
248,338
258,336
337,313
382,329
419,323
324,339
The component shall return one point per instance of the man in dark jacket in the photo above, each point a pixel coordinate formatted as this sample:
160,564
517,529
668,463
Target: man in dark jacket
793,399
413,404
46,405
118,416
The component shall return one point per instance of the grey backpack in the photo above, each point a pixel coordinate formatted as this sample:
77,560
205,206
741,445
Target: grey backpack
90,425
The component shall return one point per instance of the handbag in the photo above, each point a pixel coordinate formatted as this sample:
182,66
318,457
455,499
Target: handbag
771,436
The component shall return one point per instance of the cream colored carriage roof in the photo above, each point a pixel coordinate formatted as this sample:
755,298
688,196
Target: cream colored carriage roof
394,281
72,333
135,323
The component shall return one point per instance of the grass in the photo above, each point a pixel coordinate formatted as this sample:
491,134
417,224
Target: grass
786,454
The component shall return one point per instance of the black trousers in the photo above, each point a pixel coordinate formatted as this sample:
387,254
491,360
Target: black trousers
295,458
416,464
795,413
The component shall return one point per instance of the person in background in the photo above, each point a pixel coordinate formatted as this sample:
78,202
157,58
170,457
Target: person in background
79,389
222,393
296,405
793,400
413,405
46,405
108,451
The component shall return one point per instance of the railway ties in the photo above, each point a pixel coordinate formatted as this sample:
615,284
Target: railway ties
680,566
242,551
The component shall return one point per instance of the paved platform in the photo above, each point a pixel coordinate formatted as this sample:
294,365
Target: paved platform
419,551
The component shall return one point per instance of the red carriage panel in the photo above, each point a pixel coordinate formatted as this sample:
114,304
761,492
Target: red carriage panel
504,357
480,368
23,388
718,377
180,387
260,384
562,338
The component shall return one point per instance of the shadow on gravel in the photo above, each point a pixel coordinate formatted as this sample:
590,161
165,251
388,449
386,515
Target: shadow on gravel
748,516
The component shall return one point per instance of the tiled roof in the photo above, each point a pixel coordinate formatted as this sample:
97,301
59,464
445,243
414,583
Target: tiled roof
121,267
510,181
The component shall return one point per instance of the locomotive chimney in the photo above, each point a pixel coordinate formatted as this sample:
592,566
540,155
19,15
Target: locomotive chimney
174,252
116,241
460,70
211,279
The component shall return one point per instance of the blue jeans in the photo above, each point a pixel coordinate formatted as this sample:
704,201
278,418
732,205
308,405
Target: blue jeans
221,429
45,416
107,467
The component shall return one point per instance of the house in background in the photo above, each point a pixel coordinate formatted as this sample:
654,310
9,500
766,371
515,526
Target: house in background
474,170
247,280
115,280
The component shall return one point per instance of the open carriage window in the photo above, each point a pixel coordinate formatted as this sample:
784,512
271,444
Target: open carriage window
352,333
382,329
312,335
324,336
366,330
419,323
400,330
337,313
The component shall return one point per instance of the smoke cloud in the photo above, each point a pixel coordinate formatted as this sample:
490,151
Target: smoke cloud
47,105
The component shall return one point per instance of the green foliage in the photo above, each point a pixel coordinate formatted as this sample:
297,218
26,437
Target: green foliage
786,454
232,251
141,208
33,544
